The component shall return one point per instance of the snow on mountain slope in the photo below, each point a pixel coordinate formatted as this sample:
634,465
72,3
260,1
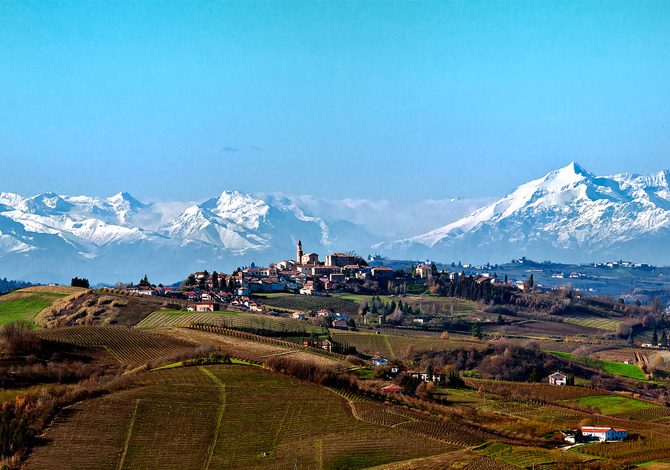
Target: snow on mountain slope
569,211
58,235
241,222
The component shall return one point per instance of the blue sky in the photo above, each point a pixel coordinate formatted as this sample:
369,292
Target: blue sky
411,100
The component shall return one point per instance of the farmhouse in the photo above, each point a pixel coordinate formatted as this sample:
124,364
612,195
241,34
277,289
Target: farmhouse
603,433
558,378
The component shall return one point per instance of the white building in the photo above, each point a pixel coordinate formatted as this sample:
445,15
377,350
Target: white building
558,378
604,433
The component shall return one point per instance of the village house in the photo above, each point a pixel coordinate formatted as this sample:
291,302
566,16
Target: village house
204,307
341,259
340,323
299,315
382,272
424,271
426,377
392,389
310,259
336,277
558,378
242,291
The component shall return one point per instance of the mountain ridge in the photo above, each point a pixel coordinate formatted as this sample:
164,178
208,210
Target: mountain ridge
567,210
569,214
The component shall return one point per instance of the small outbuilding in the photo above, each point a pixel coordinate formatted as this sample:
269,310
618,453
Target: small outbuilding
558,378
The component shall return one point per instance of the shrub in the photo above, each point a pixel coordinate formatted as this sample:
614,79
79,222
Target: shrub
18,338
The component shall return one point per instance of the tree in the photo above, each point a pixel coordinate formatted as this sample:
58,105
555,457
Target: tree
530,282
477,330
215,280
656,306
317,283
654,336
77,282
190,280
664,339
144,282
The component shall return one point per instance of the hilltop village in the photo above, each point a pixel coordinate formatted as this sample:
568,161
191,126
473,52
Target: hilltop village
306,274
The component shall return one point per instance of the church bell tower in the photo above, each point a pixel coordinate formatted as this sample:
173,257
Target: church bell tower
299,252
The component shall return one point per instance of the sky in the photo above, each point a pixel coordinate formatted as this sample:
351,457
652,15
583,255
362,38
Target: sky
406,101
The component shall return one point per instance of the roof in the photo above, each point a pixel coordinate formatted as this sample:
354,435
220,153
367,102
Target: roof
600,429
557,373
392,388
382,268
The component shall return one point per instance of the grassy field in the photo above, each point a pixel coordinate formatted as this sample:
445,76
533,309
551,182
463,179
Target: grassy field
613,404
206,418
26,304
615,368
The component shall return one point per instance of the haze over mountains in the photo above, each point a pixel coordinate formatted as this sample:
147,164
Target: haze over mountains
568,215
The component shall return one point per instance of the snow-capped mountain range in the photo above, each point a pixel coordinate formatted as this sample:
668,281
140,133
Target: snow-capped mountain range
49,237
568,215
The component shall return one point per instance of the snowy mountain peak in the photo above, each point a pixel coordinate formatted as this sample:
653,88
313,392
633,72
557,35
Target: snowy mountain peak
124,198
569,211
241,209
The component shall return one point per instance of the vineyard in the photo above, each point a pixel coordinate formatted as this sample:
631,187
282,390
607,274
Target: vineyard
245,321
127,346
531,391
393,346
427,305
295,302
630,451
252,350
226,417
592,321
527,457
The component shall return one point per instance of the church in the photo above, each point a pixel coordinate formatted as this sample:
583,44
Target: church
310,259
